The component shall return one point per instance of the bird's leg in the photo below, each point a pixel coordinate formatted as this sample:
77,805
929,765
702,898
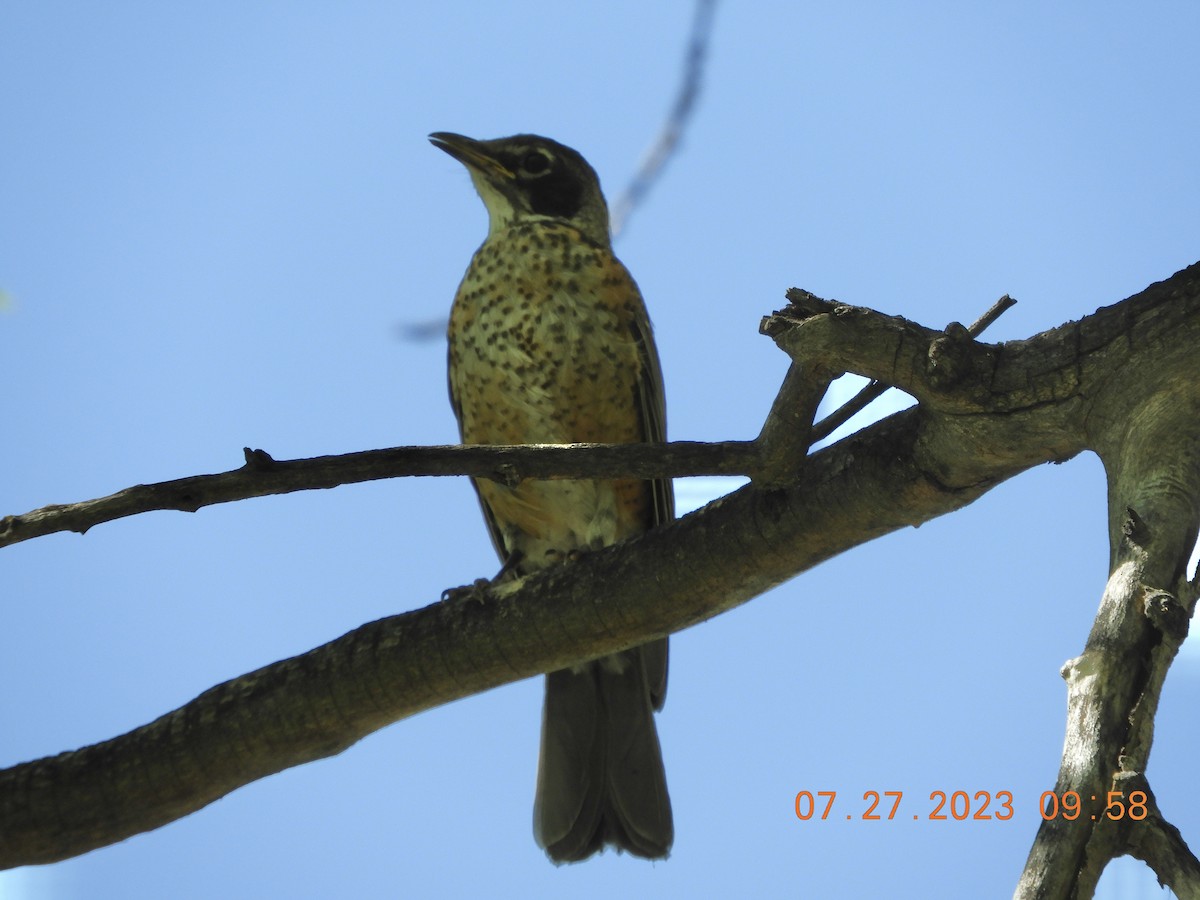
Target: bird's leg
515,558
479,589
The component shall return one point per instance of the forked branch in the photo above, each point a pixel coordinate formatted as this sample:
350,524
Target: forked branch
987,412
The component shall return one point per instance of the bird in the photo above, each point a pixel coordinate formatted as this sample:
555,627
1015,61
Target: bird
550,342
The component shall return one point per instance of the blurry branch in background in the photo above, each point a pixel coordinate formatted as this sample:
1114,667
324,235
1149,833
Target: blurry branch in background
656,157
665,144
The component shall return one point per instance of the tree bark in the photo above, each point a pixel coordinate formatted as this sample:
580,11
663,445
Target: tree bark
1120,382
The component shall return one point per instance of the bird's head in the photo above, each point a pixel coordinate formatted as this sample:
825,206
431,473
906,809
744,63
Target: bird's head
531,178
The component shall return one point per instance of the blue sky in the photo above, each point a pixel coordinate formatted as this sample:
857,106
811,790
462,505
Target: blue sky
217,221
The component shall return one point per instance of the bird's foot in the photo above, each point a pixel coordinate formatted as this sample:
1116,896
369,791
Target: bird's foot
478,590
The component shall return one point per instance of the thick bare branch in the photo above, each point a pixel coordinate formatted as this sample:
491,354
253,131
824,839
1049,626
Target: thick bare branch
876,389
991,412
1144,422
1159,844
317,704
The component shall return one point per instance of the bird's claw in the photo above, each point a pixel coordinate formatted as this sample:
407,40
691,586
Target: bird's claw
478,590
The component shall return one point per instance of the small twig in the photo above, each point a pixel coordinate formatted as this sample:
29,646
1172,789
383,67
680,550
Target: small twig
876,389
999,308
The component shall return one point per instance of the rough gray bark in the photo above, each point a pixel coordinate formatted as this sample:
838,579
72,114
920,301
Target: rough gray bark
1121,382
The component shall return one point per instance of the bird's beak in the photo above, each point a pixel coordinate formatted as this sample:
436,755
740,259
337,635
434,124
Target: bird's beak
473,154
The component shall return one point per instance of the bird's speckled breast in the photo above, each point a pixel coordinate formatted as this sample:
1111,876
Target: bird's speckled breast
543,350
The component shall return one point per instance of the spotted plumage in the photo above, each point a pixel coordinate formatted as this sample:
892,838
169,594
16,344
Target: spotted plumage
550,343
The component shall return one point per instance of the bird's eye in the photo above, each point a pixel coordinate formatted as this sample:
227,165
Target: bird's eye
535,162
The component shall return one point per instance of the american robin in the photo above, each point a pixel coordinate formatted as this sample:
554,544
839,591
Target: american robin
550,343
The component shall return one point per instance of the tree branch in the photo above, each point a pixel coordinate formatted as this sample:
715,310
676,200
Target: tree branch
778,450
1146,430
262,476
1159,844
987,413
876,389
317,704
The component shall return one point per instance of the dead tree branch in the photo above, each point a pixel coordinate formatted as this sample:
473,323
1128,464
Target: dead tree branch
1144,423
783,443
262,476
986,413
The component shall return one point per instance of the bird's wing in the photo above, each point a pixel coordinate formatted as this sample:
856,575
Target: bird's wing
652,403
652,406
489,518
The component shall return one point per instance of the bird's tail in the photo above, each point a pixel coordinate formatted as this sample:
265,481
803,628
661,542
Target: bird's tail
600,774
